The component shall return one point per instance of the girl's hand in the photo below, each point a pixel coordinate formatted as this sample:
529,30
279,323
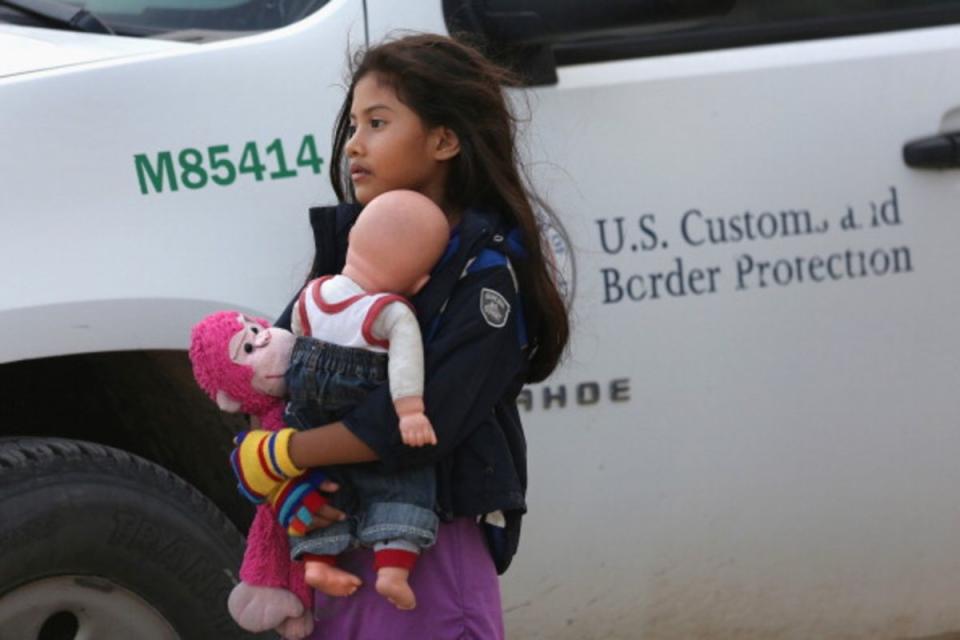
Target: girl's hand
327,515
300,504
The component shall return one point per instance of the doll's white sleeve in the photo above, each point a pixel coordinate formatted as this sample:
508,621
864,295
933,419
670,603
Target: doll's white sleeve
397,324
296,328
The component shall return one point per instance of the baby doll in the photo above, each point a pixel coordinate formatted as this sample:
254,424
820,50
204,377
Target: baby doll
393,245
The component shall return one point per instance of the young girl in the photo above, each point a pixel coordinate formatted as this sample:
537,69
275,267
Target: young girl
428,113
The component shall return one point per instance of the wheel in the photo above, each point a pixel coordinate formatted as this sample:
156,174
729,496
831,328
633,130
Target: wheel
98,543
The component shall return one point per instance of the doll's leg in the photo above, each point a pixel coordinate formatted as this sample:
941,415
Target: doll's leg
393,562
398,524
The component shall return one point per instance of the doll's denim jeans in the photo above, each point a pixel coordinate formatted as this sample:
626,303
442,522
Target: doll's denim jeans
324,381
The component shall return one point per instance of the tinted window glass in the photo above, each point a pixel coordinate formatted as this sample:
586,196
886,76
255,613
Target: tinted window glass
753,11
761,22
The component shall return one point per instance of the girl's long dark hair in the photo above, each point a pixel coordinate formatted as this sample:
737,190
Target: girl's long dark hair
450,84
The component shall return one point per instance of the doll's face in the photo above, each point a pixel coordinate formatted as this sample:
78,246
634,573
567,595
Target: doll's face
266,351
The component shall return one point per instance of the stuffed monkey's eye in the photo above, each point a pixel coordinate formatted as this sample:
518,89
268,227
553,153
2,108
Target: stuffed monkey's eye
248,348
255,330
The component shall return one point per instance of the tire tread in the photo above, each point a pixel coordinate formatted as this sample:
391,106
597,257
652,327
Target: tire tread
23,454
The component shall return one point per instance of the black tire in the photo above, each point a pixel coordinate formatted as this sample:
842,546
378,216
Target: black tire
109,520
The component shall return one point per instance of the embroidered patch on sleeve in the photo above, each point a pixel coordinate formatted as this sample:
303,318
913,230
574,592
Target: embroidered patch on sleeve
494,308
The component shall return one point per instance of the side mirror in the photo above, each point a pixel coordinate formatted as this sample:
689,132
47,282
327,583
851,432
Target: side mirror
524,34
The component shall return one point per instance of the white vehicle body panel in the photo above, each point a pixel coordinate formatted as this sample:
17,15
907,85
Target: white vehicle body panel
769,461
105,246
782,444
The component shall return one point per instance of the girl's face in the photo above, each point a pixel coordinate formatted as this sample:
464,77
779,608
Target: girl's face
391,148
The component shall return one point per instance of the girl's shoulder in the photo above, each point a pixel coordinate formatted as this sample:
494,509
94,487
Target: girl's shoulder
331,227
478,281
333,219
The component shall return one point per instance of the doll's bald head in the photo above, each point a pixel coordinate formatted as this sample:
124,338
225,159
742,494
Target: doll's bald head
395,242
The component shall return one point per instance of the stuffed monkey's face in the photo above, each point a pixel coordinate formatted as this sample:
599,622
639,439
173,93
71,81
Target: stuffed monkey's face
267,352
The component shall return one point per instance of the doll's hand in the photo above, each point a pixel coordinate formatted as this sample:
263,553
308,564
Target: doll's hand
297,503
416,430
415,427
261,462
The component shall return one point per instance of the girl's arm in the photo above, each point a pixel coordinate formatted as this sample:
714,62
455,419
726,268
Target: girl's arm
470,365
330,444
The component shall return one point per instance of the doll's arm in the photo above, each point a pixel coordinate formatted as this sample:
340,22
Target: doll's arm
397,325
266,560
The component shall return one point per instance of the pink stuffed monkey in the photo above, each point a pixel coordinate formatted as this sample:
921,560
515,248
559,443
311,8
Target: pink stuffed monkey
272,593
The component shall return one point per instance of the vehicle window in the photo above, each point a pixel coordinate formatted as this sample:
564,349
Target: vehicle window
751,22
197,20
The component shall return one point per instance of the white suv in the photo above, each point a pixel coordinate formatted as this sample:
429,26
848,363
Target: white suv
755,434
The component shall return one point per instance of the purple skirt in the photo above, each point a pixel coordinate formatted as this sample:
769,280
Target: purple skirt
458,595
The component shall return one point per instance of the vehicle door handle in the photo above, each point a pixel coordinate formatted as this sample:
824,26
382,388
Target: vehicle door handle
935,152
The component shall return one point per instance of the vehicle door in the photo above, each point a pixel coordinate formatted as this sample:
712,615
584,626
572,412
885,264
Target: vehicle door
755,431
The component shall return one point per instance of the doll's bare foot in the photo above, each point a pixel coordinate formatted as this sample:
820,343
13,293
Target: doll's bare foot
329,580
392,584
